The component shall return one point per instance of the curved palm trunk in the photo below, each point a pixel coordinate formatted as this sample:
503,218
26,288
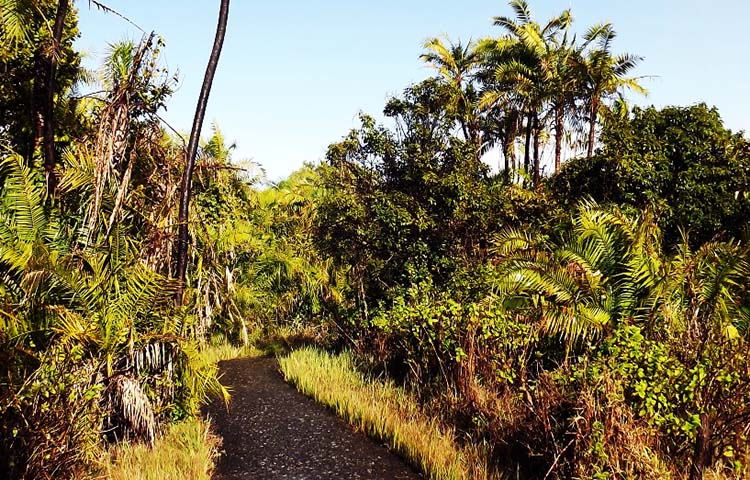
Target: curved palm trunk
593,108
200,113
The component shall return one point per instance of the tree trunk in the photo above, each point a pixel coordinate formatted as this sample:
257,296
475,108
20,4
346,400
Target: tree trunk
537,176
36,110
592,126
48,109
511,131
464,130
187,175
506,157
527,153
559,126
702,451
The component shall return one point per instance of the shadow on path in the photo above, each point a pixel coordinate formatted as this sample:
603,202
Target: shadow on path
274,432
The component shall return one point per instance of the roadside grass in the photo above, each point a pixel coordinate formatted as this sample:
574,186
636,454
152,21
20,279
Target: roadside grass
219,351
186,451
385,412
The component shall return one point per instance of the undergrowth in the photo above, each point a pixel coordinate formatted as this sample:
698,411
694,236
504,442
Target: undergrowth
187,450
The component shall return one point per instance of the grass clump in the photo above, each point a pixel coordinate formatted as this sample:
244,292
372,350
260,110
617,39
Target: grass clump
187,451
219,351
385,412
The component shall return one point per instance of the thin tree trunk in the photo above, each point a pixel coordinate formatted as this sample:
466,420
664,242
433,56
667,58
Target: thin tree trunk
38,92
592,126
506,157
702,451
464,130
559,126
512,134
537,176
48,110
187,176
527,153
509,151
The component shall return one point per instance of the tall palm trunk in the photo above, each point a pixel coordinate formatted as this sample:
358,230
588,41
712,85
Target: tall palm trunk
593,109
187,176
559,127
527,152
48,105
511,132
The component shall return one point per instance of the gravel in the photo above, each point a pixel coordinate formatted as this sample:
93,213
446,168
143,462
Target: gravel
271,431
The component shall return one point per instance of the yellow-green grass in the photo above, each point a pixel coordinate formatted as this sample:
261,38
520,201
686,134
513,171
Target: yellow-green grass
225,351
186,451
385,412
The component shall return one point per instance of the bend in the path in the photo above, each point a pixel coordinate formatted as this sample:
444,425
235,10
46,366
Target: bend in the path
273,432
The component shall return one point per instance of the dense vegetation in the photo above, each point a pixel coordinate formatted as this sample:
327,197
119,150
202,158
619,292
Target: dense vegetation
590,321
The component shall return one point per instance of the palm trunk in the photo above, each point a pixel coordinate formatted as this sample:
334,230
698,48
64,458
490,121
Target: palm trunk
187,176
592,126
527,153
48,110
36,110
511,132
537,176
559,126
506,157
464,130
476,139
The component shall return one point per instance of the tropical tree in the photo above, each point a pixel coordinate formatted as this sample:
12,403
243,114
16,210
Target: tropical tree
582,288
502,111
39,65
646,161
455,64
538,74
603,75
95,314
192,149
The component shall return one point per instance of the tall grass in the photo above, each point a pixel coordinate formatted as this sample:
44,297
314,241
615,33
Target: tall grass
186,451
385,412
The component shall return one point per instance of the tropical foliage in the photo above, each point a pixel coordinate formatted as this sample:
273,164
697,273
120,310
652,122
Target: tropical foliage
582,311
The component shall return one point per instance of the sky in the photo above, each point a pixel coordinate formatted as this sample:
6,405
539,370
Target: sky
294,74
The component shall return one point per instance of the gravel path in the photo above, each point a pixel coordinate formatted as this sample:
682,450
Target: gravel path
274,432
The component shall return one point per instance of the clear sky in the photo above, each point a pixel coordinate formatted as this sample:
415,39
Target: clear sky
294,74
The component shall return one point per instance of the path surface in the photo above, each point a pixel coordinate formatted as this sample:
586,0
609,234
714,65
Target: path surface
274,432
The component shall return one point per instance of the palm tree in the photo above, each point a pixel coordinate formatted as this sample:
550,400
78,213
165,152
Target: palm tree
99,300
538,72
503,112
604,75
18,20
581,289
455,64
192,149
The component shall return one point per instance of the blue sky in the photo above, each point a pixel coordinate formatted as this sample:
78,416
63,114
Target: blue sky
294,74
